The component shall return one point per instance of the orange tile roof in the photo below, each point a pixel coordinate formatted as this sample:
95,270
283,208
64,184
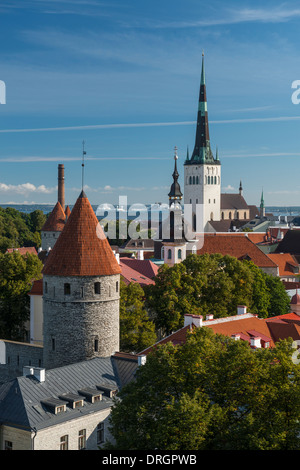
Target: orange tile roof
131,275
286,263
56,220
246,326
37,288
68,211
82,248
238,246
23,250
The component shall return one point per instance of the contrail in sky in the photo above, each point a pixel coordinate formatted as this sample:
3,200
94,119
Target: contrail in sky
152,124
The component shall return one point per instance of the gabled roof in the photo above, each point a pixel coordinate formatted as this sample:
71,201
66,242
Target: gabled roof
56,220
21,399
290,243
286,263
235,245
233,202
82,248
140,271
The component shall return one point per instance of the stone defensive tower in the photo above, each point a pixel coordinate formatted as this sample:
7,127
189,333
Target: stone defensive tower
81,292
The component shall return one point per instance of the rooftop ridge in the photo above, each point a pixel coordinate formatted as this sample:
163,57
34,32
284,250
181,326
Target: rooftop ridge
241,316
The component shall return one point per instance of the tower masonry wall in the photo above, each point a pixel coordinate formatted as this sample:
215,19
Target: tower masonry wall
81,318
49,239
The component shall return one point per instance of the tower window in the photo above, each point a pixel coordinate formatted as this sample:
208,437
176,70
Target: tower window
179,254
245,215
169,254
53,344
117,286
208,180
97,288
190,180
193,179
46,288
197,179
67,288
215,180
96,345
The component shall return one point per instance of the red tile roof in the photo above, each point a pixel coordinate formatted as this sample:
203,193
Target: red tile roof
23,250
56,220
246,326
82,248
144,266
37,288
238,246
286,263
131,275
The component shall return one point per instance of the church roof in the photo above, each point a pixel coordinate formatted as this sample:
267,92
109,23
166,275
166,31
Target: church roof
82,248
56,220
233,201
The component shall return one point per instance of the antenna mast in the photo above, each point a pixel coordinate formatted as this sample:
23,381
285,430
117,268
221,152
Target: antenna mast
82,165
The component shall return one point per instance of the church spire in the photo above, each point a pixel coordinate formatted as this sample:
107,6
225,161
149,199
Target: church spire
175,193
202,152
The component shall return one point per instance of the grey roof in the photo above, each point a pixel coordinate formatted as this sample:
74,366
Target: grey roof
21,399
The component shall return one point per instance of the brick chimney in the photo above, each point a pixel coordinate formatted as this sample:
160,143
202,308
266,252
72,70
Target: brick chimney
61,185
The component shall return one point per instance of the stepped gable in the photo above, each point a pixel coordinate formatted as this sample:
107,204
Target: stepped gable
56,220
82,248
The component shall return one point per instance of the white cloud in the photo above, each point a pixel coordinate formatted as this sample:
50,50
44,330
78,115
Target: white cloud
25,188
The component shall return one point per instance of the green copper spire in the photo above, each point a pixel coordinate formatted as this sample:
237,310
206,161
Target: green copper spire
202,151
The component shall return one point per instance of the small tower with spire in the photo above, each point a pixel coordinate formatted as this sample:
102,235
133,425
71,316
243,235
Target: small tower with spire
262,206
173,239
202,172
241,189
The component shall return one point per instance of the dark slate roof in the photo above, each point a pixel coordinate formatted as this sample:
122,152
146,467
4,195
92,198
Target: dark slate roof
233,201
290,243
21,399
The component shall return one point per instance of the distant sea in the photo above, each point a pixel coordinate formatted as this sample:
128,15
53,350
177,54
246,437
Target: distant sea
46,208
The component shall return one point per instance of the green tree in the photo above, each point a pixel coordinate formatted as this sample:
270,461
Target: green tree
137,332
212,393
16,275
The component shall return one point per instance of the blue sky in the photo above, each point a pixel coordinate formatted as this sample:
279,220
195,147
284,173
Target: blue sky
124,77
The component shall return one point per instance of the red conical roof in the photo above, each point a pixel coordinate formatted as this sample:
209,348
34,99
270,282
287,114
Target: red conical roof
56,220
68,212
82,248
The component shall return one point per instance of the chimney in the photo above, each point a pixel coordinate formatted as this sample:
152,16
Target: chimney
236,336
142,360
209,316
193,320
140,254
241,309
37,372
61,185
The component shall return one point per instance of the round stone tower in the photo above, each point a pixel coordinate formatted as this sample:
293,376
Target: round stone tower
81,292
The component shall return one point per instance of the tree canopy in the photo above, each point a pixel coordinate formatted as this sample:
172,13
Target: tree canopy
137,332
212,284
16,275
211,393
18,229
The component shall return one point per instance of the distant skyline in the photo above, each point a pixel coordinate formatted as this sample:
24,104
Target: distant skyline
124,77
